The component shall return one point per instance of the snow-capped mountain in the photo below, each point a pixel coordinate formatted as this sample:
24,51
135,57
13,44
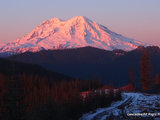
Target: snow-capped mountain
76,32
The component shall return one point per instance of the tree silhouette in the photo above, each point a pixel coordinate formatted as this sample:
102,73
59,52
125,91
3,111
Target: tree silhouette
157,83
13,100
131,75
157,80
145,71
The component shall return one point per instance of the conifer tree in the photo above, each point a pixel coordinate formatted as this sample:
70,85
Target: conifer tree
13,105
157,83
131,75
145,71
157,80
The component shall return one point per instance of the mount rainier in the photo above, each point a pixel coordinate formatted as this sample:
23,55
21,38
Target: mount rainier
73,33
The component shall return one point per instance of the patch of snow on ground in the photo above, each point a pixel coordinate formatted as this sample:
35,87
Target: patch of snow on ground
91,115
132,103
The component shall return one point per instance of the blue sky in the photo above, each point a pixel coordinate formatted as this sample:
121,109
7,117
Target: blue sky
138,19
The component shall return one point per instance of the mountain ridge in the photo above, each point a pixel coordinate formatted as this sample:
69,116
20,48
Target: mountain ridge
87,62
76,32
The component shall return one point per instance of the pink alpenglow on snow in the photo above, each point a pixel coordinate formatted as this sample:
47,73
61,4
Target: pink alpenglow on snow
73,33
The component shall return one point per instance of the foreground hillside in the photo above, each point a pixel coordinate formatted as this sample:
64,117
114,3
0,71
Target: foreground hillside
134,106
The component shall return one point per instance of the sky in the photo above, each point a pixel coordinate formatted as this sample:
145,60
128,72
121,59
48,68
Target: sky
138,19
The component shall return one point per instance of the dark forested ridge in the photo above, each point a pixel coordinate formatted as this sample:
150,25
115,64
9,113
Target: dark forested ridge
30,97
29,92
88,62
26,94
10,67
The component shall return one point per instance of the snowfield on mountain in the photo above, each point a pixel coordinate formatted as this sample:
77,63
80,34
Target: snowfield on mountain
73,33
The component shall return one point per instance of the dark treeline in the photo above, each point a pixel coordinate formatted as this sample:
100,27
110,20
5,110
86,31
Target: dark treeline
147,82
9,68
31,97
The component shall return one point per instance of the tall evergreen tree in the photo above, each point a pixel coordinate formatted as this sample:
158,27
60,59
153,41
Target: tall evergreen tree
131,75
145,71
157,80
2,92
157,83
14,99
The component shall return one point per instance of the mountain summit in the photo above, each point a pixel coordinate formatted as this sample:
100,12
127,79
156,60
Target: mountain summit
75,32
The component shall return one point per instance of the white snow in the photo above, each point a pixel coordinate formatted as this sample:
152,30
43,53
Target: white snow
75,32
138,104
91,115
